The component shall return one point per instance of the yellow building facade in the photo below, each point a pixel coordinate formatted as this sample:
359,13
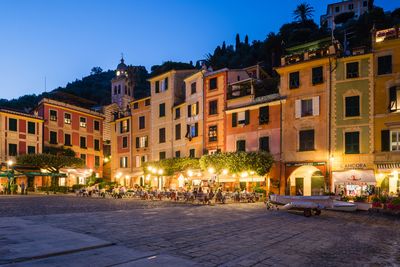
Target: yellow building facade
386,48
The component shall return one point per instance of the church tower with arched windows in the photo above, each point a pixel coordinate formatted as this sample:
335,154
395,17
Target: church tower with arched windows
121,93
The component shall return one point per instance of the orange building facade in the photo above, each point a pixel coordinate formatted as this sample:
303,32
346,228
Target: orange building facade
77,128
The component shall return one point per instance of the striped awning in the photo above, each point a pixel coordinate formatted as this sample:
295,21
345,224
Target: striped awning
388,166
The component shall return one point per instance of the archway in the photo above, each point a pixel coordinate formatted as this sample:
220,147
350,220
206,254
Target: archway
307,181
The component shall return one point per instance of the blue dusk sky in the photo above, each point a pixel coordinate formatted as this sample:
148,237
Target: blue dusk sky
62,40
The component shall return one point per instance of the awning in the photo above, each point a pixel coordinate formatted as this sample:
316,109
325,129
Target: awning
388,166
354,177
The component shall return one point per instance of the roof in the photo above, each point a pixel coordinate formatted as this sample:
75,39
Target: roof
259,100
19,113
167,72
67,105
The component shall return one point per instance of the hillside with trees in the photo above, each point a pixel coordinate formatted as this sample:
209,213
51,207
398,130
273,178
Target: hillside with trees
94,89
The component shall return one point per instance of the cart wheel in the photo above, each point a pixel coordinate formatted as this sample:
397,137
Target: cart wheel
307,213
317,212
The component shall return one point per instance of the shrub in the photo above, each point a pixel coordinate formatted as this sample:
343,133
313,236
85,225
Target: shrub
360,198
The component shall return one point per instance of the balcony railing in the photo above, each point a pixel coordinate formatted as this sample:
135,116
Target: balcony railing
121,114
240,90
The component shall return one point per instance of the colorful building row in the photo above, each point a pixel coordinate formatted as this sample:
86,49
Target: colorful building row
333,126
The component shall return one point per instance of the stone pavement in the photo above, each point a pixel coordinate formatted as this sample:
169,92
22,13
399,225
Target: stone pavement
222,235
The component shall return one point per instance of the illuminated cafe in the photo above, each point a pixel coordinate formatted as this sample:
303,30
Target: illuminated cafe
354,180
387,175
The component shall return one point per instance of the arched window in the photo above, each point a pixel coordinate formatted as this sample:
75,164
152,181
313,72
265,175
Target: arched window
119,89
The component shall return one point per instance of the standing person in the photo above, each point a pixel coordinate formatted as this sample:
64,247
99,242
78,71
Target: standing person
22,188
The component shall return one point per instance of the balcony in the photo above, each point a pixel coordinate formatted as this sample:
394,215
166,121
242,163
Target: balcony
121,114
240,89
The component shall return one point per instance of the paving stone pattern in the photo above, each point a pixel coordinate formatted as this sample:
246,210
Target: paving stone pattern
220,235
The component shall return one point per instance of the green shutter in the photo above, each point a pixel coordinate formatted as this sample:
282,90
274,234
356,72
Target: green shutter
385,140
137,142
234,119
392,99
196,129
189,111
247,117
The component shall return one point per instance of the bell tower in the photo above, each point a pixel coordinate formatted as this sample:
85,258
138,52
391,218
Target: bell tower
121,93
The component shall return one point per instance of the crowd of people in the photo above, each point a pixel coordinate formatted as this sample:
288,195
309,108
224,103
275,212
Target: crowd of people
197,194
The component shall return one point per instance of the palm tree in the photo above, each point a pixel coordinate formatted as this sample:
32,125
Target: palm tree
303,12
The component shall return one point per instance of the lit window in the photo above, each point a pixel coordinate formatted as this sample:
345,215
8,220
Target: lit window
82,122
67,118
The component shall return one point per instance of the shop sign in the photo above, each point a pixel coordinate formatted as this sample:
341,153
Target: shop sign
355,166
298,164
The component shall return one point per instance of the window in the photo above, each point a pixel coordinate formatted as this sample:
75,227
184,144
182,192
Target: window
141,142
177,154
123,162
177,113
263,144
263,117
352,104
67,118
31,127
294,80
365,3
192,131
125,142
124,126
213,107
31,149
242,118
147,102
193,109
317,76
53,115
351,6
192,153
96,161
119,89
53,138
162,110
115,89
306,107
83,142
352,142
213,83
82,122
157,86
384,65
352,70
83,157
178,131
96,125
165,84
161,135
12,124
67,140
241,145
394,99
142,122
162,155
337,9
212,133
394,140
135,105
193,88
12,150
306,140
